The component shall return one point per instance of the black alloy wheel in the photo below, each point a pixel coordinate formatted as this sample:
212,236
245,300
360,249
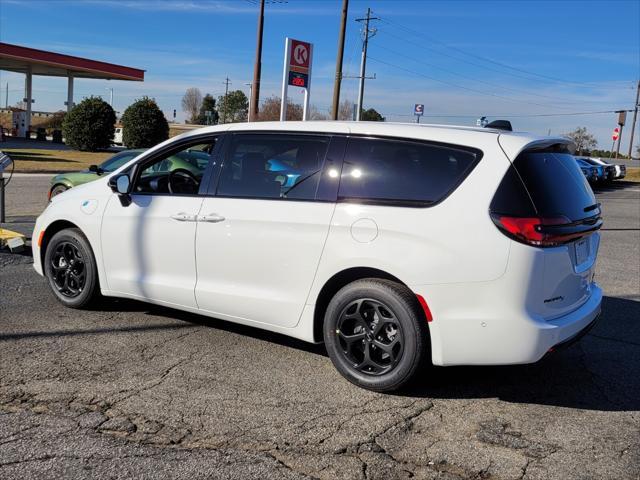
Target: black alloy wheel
376,334
370,336
69,270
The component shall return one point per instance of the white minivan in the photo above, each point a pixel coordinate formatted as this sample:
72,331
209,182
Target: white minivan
394,244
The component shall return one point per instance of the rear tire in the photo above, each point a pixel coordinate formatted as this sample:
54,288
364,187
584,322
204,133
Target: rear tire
376,335
70,268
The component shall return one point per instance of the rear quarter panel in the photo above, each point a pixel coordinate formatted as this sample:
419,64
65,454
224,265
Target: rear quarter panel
454,241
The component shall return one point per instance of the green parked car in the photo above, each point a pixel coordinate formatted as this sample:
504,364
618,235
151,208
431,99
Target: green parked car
192,160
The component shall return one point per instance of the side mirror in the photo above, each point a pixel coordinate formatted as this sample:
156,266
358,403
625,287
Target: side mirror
96,169
120,184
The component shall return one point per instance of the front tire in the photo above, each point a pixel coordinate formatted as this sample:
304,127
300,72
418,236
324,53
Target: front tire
375,334
70,268
58,189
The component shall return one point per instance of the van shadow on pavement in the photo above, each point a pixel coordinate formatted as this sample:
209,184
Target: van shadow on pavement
597,373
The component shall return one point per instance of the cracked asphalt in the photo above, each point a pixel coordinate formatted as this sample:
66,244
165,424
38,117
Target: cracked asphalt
136,391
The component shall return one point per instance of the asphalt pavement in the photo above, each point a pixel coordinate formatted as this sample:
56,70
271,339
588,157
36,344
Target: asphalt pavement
130,390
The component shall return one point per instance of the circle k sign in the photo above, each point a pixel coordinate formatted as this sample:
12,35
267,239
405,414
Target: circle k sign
300,53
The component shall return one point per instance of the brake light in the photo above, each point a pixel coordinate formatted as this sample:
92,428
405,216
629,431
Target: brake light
532,231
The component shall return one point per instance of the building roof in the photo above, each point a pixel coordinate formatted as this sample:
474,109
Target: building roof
16,58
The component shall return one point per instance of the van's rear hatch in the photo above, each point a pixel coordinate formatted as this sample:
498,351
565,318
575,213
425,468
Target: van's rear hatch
545,201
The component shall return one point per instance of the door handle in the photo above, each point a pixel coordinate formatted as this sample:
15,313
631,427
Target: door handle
184,217
211,218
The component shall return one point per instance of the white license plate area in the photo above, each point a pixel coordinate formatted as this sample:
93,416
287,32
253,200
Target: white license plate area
581,250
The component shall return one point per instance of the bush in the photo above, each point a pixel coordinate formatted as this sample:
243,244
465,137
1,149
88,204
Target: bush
143,124
89,126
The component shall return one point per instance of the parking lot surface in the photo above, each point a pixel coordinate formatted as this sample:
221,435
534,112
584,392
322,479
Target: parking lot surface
131,390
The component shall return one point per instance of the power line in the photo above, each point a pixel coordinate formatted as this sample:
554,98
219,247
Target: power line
495,95
480,57
475,79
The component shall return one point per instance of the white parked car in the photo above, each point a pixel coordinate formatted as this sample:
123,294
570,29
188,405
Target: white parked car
394,244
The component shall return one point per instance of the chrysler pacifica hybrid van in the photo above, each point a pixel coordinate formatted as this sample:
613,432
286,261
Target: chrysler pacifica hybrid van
393,244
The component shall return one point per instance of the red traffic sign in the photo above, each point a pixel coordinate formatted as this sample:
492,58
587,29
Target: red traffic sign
418,109
300,56
616,134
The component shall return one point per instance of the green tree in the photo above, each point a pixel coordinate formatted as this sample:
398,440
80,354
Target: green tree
90,125
234,108
144,124
208,105
583,140
371,115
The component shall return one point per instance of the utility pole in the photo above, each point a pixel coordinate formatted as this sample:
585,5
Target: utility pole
226,92
6,96
257,69
363,62
635,116
622,116
338,79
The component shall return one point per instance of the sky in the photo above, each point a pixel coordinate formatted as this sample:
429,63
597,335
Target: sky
543,65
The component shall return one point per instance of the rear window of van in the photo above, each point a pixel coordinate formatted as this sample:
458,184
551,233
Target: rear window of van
403,172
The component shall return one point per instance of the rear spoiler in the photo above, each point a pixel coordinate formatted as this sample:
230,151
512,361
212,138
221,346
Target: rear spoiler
513,145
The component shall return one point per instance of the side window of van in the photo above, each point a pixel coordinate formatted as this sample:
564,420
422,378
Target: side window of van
273,166
400,172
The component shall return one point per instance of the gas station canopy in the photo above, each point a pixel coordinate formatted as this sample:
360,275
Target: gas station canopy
31,61
22,59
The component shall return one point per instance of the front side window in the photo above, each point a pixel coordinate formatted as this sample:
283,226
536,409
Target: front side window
178,172
395,171
273,166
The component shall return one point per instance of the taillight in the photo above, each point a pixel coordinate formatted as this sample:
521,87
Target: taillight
534,231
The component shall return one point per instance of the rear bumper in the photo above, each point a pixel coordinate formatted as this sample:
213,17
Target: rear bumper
503,336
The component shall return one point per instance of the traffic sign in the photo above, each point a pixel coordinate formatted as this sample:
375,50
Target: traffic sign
616,134
418,109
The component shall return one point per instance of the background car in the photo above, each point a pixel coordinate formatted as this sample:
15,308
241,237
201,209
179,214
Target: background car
67,180
594,174
620,170
606,171
188,160
590,172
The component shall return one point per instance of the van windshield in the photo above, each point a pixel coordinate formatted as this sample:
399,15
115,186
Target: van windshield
556,185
